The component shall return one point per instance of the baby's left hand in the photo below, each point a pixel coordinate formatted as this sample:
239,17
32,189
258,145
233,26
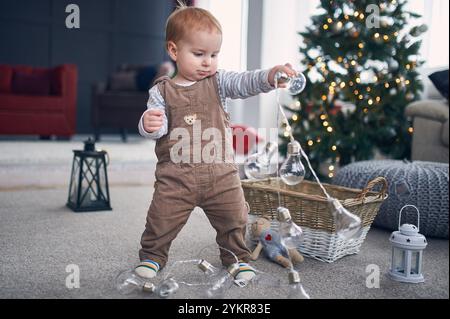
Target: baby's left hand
287,68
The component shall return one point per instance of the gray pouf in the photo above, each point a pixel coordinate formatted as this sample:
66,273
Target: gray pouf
423,184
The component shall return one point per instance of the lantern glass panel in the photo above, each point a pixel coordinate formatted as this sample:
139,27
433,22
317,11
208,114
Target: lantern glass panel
399,260
415,262
102,188
74,180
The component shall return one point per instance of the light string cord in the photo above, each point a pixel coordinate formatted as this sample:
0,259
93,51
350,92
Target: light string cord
291,136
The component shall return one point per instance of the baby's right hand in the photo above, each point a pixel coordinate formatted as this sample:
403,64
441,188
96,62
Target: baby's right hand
153,120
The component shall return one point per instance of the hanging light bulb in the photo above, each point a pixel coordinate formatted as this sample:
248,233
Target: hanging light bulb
292,171
128,282
296,290
294,84
257,166
222,281
348,225
290,232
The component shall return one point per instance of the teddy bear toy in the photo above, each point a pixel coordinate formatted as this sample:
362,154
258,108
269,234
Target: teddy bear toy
270,241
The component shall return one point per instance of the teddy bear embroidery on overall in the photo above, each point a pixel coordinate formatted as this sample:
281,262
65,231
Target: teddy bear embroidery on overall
270,241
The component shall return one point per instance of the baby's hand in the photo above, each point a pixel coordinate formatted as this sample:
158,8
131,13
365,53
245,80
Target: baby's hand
287,68
153,120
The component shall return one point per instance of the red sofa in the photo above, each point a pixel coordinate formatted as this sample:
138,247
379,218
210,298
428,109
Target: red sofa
38,101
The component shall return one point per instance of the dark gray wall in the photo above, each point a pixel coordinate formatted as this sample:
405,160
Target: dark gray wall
112,32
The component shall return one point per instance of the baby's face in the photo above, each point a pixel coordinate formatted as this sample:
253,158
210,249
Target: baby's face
197,55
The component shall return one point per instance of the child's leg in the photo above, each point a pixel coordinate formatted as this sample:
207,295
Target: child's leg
224,205
168,213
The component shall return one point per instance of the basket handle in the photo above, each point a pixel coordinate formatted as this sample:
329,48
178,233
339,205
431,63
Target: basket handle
371,184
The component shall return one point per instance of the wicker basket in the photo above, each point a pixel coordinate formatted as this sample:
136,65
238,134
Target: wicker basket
309,209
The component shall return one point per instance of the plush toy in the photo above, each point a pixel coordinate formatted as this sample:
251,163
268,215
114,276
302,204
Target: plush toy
270,241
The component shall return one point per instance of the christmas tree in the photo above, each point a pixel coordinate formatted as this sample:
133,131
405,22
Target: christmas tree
361,61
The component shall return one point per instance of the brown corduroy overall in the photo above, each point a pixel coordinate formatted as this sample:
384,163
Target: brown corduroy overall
206,177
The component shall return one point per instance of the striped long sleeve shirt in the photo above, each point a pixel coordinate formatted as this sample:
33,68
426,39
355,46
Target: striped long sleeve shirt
232,85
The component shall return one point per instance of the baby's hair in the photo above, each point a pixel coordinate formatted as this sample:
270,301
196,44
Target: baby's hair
186,19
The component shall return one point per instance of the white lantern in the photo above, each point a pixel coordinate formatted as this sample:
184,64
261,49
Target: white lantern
407,248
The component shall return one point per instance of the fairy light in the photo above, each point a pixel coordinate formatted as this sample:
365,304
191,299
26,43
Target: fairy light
340,24
361,45
386,85
360,97
325,26
370,102
358,80
356,92
323,117
333,148
361,16
385,37
356,13
294,117
329,129
378,99
331,168
329,20
310,143
376,35
353,62
340,59
318,140
408,66
410,130
330,175
368,89
407,82
350,83
324,97
366,110
342,85
286,134
325,123
397,80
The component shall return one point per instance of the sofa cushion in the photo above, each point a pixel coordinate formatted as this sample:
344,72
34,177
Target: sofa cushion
35,83
33,103
5,78
440,81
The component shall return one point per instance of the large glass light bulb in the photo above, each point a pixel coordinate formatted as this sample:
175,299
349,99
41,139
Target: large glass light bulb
221,282
290,232
292,171
294,84
128,282
257,165
348,225
296,290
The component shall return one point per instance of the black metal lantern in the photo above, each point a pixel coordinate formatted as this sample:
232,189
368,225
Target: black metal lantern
88,190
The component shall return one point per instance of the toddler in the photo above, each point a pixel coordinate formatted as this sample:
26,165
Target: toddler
198,169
